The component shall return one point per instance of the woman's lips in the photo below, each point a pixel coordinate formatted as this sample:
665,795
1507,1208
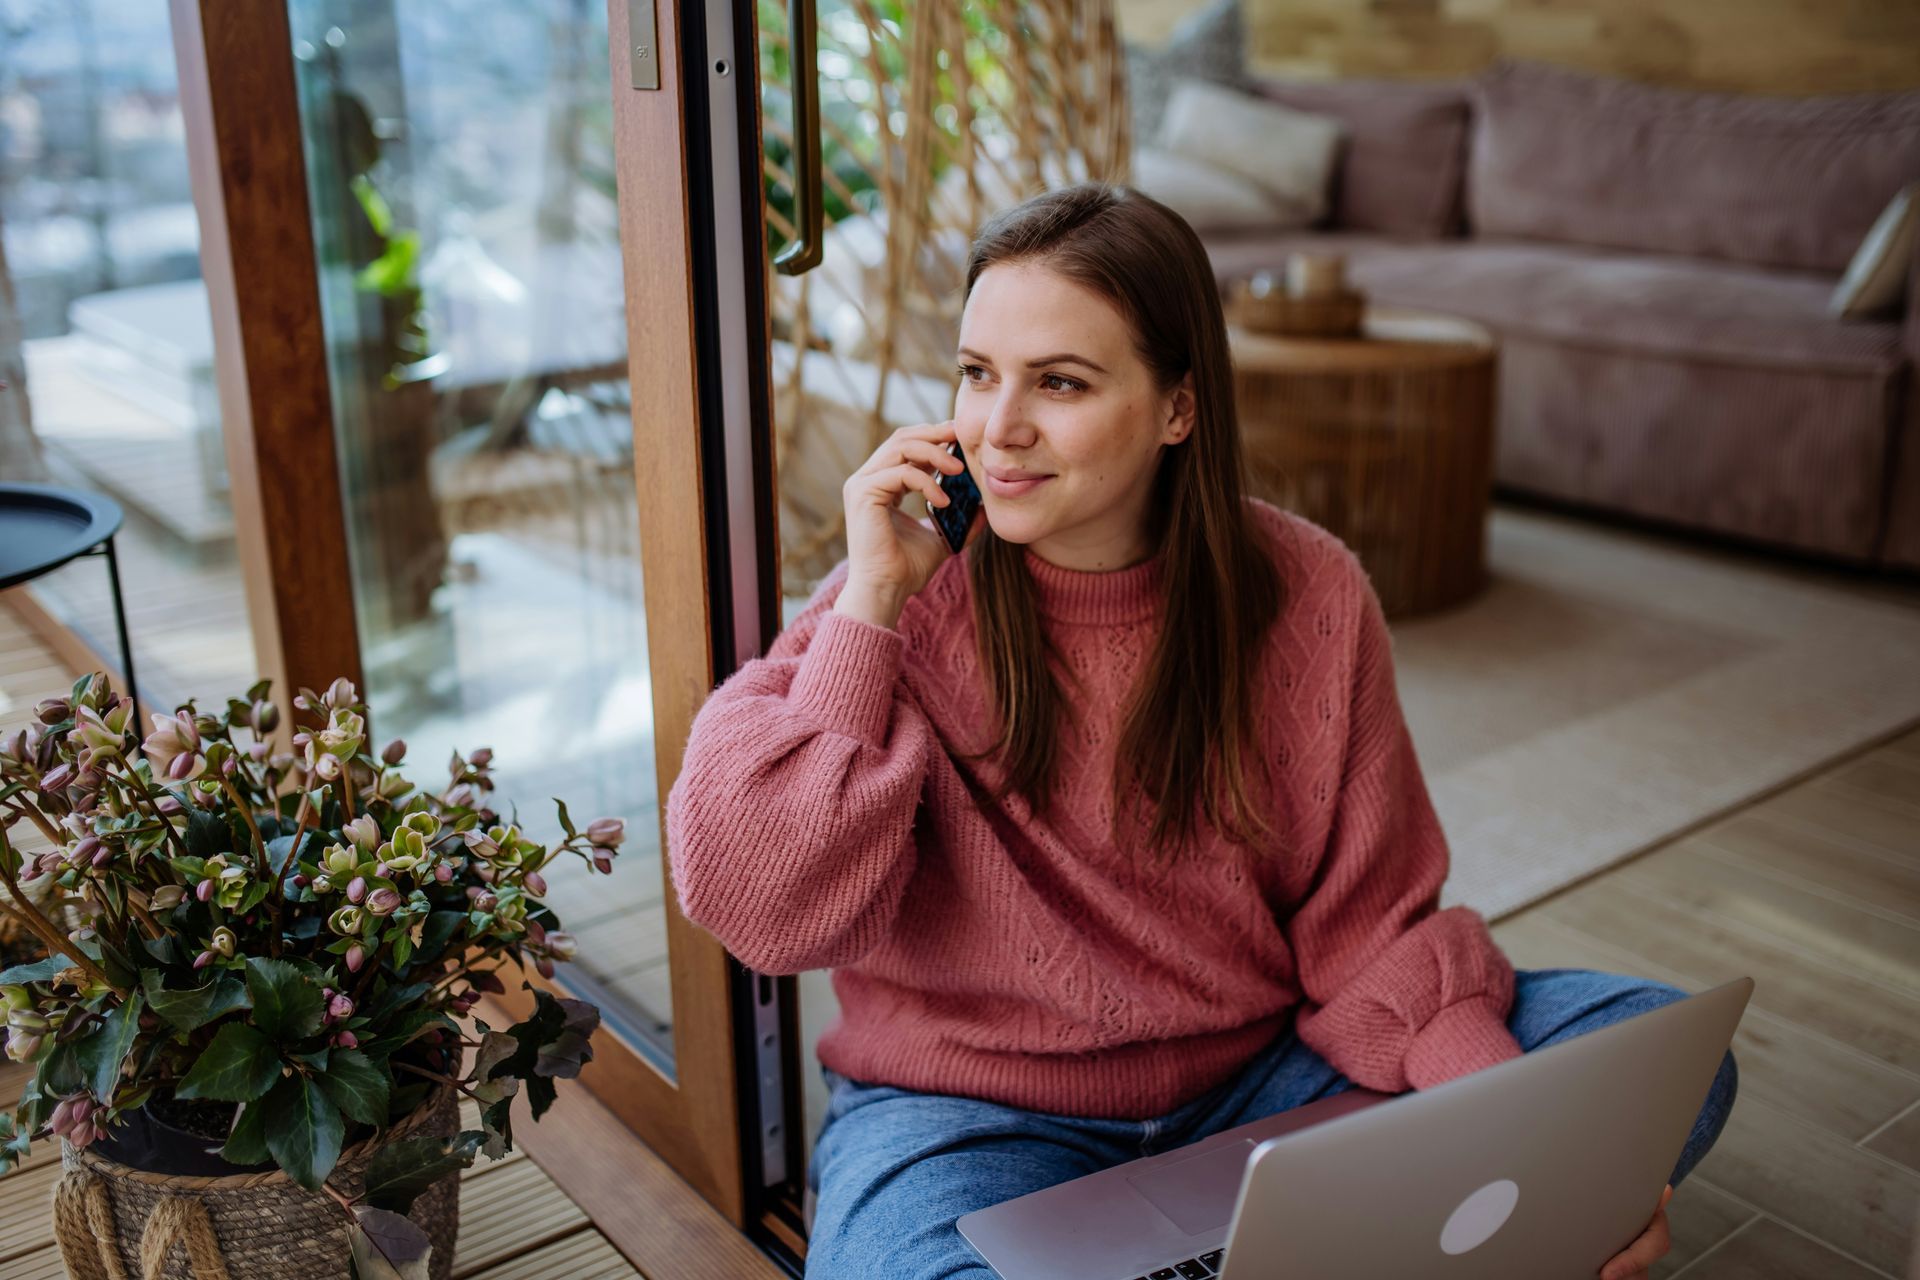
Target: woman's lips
1013,488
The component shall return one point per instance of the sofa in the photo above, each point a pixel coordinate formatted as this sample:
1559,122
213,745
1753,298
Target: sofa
1659,266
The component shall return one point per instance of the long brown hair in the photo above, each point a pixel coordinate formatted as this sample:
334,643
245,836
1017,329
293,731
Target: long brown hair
1222,591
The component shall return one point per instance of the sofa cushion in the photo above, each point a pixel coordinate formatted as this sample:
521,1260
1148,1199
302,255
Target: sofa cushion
1403,160
1791,182
1208,197
1681,308
1876,279
1208,44
1286,153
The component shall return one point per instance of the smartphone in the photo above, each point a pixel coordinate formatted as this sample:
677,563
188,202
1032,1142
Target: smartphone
963,498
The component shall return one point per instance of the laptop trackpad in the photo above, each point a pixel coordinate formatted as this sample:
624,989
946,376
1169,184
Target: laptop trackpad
1197,1193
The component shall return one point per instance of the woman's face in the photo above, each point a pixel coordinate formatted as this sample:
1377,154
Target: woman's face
1050,385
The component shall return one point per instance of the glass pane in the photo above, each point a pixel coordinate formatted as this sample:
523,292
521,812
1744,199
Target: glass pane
460,161
994,104
106,339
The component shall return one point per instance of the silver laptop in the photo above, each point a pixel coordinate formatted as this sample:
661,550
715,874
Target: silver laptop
1540,1168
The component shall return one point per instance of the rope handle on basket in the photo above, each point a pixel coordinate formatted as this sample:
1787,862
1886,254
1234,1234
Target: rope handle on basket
83,1224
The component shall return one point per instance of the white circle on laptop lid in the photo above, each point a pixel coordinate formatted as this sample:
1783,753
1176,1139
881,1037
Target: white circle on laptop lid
1479,1216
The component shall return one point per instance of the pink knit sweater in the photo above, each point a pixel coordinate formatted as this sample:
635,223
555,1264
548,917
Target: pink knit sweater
820,821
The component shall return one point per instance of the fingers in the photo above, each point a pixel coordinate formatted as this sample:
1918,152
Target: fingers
893,483
914,450
1651,1246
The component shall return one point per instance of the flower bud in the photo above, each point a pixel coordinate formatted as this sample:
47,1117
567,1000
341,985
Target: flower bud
356,956
464,1002
562,945
266,716
167,897
394,752
62,1118
341,693
603,864
346,1040
57,778
322,883
487,981
168,806
535,883
608,833
356,888
363,832
340,1007
27,1019
544,965
102,856
52,711
443,872
481,758
22,1045
384,902
202,960
204,890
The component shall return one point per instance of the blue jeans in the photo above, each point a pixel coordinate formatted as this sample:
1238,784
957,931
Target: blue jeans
894,1169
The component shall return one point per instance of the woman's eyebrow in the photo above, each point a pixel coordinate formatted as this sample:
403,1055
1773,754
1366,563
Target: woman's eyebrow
1065,357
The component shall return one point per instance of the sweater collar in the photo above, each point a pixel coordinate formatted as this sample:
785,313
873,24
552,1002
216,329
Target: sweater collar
1108,598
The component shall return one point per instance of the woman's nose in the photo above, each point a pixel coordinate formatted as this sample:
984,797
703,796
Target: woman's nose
1007,426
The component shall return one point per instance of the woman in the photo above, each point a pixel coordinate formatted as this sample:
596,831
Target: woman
1109,827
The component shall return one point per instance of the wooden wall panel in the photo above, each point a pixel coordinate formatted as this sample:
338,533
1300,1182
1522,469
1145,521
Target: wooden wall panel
1755,46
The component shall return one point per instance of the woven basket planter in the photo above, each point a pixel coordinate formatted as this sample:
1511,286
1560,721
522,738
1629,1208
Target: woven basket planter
115,1222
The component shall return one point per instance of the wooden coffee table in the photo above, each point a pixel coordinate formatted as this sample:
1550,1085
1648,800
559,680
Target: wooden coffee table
1385,440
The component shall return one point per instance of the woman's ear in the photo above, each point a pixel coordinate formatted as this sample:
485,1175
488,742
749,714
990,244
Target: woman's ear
1181,412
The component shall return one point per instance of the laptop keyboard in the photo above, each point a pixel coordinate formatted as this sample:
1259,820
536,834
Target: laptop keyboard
1207,1264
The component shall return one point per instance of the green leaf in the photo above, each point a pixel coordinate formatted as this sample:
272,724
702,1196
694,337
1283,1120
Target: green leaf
206,834
189,1010
247,1143
402,1170
566,823
541,1092
438,930
60,1070
402,951
239,1065
287,1005
387,1246
357,1087
34,970
101,1051
304,1129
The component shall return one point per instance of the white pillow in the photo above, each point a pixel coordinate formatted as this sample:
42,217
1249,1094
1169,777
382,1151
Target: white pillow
1876,279
1210,199
1288,154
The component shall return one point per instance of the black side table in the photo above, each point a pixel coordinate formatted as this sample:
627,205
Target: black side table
42,527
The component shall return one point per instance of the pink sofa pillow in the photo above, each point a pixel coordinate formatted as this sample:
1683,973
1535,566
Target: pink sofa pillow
1786,182
1403,156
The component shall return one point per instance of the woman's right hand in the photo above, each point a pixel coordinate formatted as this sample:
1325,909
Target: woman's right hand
890,555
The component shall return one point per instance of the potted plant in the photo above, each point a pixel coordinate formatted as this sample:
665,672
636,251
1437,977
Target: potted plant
263,1023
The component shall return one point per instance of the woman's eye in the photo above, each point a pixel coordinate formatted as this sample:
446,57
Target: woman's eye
1069,383
966,369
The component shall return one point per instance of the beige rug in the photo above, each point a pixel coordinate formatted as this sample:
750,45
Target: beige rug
1610,689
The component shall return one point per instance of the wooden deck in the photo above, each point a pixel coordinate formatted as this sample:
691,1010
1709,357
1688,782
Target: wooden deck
1813,890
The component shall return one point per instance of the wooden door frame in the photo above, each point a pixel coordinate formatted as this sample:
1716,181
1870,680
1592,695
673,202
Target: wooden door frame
240,104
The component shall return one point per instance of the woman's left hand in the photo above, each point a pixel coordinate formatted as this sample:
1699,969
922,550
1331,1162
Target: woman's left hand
1631,1263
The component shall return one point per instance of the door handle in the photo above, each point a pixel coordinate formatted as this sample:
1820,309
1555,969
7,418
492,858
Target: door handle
803,253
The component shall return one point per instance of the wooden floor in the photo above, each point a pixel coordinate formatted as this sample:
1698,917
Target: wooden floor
1814,891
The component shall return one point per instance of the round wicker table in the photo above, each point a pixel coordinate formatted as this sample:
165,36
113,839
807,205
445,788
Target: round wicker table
1385,440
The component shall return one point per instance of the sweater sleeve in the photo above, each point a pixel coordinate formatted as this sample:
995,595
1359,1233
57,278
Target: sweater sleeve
789,827
1399,994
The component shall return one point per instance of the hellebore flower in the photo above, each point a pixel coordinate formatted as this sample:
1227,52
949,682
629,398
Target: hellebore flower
394,752
356,889
340,1008
364,832
174,747
384,902
346,921
265,716
166,897
562,945
223,942
534,883
607,833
